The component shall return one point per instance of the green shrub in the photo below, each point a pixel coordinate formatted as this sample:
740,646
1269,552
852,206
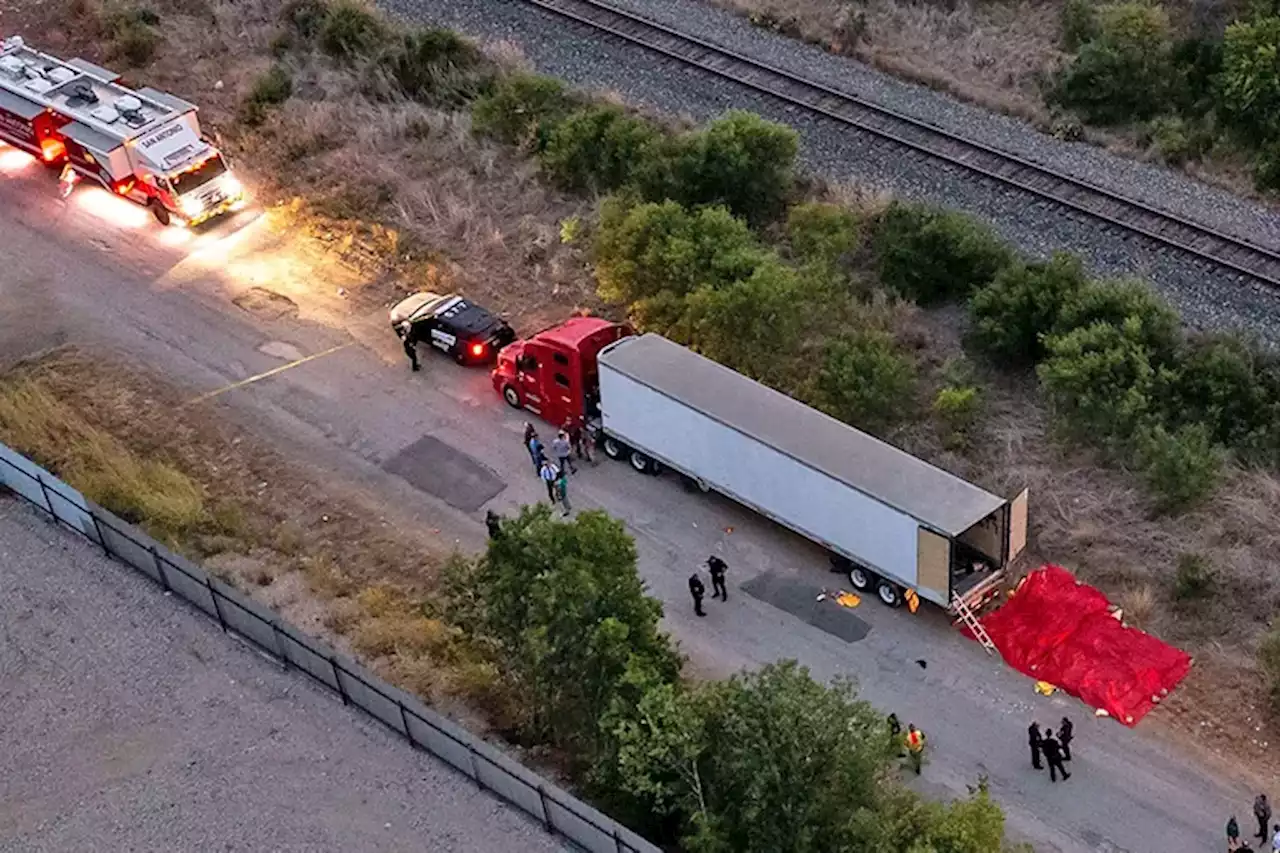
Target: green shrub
1220,383
1079,24
1181,467
821,233
133,33
306,17
864,380
1249,84
350,30
1266,167
957,410
514,110
598,148
1021,305
1124,73
435,66
270,89
648,249
1099,380
752,326
1269,660
1158,328
933,255
1197,63
740,161
1173,140
1194,578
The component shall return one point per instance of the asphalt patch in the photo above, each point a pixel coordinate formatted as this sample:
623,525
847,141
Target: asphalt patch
445,472
800,599
266,303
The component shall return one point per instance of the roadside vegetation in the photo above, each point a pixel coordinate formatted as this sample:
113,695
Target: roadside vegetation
443,165
1190,85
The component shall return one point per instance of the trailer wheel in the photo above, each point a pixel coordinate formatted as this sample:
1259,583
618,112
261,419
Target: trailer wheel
643,464
889,593
511,395
613,448
861,579
159,211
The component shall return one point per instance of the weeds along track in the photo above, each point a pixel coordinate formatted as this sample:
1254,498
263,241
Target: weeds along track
1240,256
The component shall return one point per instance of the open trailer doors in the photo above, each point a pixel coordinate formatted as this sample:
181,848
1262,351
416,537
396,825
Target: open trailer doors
1017,526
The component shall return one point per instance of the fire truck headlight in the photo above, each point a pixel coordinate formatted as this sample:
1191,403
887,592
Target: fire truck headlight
233,187
192,207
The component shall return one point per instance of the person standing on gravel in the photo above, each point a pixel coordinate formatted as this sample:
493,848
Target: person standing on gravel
697,590
1034,738
549,475
1262,811
1066,734
718,567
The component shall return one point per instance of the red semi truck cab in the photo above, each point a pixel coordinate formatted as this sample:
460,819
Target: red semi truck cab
553,374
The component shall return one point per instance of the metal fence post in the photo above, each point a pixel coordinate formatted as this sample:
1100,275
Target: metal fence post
278,635
546,809
44,490
102,540
337,679
164,576
213,594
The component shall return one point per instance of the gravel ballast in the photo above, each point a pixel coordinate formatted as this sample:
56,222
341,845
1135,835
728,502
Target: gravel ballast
1208,297
131,722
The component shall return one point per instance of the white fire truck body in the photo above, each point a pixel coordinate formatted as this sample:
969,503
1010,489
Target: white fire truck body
144,145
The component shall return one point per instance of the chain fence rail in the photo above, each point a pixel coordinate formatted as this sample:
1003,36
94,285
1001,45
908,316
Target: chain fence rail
557,810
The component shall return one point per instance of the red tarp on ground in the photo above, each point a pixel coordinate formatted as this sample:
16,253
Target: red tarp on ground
1059,630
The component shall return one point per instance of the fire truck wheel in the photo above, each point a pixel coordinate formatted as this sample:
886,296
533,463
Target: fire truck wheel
511,395
613,448
889,593
159,212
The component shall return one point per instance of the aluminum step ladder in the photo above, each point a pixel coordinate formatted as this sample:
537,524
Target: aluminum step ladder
970,620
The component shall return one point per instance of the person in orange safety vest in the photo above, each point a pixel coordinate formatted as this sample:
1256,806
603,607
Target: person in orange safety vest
915,747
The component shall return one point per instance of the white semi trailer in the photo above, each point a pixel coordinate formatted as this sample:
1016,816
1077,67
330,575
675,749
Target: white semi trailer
897,524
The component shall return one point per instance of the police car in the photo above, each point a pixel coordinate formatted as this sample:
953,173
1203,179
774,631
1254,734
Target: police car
452,325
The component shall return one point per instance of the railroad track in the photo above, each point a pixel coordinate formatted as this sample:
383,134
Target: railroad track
1243,257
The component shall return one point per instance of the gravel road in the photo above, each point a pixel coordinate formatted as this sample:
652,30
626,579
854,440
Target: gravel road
1207,297
130,722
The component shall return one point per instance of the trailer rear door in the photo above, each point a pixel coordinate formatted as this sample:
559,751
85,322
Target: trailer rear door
933,566
1018,525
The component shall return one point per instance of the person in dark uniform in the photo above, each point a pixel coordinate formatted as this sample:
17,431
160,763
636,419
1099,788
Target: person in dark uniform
895,734
494,522
697,590
1053,756
1034,738
718,567
411,346
1065,736
1262,812
1233,833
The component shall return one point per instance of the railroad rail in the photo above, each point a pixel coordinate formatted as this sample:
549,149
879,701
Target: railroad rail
1240,255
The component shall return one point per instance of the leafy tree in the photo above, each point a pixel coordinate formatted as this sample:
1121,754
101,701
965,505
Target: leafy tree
565,604
752,326
1022,304
1123,73
598,148
740,161
649,249
821,233
518,106
934,255
765,762
864,380
1182,466
957,408
1100,379
1249,84
1157,326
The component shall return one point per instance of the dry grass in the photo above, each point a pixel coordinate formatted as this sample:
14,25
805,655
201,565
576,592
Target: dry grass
320,555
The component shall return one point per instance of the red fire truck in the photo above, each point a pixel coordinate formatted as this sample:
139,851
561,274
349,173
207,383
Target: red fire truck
144,145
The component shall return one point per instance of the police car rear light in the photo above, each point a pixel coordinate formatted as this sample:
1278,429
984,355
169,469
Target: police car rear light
477,349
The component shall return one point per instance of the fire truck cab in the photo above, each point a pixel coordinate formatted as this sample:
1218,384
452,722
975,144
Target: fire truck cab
554,374
144,145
